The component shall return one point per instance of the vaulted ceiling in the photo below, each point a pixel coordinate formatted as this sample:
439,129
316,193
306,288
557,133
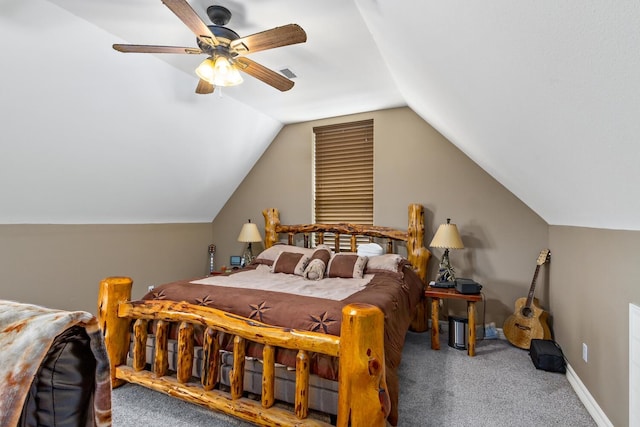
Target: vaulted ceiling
543,95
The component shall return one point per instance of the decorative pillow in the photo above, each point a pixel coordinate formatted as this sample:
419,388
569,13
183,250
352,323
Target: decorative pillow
270,254
290,263
347,265
386,262
370,249
323,254
318,263
315,270
323,246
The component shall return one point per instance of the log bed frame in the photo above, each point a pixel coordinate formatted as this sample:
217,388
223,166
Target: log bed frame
360,344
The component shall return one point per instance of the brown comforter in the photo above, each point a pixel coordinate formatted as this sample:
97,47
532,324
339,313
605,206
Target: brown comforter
396,294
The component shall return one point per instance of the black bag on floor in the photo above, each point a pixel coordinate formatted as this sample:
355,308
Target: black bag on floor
547,355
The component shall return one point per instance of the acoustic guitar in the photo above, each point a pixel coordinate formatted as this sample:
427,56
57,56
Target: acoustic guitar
529,321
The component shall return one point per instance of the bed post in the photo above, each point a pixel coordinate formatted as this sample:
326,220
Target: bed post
418,256
363,398
271,221
113,291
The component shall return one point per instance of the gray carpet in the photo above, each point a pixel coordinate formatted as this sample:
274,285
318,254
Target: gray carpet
498,387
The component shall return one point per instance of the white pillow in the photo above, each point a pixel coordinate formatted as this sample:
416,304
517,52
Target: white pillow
370,249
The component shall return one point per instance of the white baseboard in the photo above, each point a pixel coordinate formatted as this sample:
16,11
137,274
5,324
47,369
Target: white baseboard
587,400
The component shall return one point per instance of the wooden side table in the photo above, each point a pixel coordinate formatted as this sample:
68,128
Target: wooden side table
436,294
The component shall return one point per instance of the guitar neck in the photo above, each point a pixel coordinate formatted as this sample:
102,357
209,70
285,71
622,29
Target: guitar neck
533,287
542,259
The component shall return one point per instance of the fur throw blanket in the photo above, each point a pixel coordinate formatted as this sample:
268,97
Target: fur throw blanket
26,334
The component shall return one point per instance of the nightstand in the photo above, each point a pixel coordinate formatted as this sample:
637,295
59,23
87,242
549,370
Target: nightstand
222,273
436,294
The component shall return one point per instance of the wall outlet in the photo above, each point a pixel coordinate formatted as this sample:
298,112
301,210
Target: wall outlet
585,352
150,288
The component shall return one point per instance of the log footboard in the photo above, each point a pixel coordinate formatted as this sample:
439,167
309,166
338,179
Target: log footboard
362,392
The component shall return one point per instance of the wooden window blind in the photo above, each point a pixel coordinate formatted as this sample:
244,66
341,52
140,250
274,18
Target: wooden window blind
343,164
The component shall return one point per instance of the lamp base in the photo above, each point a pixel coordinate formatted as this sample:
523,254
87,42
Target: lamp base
445,271
247,256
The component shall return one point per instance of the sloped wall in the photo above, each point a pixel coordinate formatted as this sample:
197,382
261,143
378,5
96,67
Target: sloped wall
93,136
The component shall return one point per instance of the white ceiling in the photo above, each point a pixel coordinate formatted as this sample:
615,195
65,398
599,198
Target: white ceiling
542,94
339,68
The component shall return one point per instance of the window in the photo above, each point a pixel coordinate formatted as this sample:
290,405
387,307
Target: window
343,181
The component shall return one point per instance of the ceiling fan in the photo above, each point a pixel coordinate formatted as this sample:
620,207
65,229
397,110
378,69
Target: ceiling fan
224,48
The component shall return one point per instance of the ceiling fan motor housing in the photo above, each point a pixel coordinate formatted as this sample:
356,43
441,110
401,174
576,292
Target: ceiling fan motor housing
220,16
224,35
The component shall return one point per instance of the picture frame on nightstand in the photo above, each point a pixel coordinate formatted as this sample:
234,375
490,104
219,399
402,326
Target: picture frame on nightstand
235,261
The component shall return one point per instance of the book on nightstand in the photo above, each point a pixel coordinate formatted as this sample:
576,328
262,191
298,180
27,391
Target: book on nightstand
442,284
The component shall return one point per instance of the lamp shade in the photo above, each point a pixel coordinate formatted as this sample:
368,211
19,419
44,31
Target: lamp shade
219,72
249,233
447,237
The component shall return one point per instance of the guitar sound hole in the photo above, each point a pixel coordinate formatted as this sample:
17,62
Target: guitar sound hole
526,312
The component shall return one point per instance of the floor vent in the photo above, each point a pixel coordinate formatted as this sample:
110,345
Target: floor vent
634,365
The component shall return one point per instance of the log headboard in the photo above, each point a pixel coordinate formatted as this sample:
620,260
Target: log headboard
417,254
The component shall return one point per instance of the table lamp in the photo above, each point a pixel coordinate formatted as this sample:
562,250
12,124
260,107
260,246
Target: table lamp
447,237
249,234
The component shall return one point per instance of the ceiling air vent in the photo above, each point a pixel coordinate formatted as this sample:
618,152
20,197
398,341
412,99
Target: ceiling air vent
288,73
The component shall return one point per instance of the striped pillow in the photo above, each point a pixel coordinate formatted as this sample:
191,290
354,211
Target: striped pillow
347,265
290,263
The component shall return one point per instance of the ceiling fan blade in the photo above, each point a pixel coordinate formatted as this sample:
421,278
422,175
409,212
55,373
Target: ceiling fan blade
185,12
143,48
264,74
275,37
204,87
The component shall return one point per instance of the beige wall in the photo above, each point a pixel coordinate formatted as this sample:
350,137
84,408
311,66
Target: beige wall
595,275
413,164
502,236
60,266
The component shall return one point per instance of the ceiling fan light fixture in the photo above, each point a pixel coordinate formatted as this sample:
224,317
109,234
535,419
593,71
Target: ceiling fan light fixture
205,70
219,72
